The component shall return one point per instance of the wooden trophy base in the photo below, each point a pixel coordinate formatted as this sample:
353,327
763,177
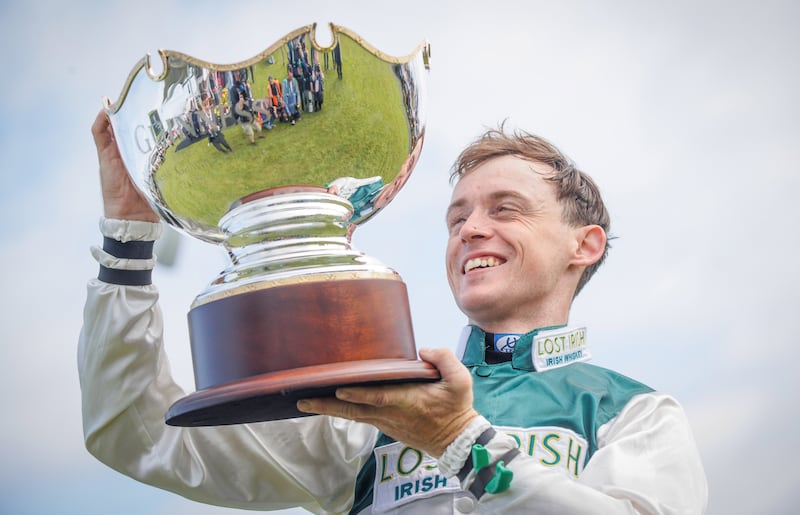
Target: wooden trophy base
258,352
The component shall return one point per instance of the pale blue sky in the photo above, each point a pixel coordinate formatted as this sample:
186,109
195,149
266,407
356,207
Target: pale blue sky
684,112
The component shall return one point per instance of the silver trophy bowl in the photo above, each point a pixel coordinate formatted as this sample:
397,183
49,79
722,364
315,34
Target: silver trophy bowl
278,159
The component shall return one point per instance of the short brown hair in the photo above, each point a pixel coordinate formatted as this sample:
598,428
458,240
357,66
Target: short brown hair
577,192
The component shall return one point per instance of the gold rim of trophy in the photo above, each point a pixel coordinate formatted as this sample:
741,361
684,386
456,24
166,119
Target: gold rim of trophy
389,275
310,29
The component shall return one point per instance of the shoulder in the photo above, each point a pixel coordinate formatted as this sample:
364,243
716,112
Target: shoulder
508,395
648,410
609,391
615,382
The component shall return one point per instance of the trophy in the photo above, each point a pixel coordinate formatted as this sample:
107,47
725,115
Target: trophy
278,159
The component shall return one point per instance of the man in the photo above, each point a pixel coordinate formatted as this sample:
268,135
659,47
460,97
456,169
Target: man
524,425
215,135
291,97
243,111
275,96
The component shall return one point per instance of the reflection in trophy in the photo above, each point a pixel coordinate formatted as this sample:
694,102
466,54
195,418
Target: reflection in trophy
278,159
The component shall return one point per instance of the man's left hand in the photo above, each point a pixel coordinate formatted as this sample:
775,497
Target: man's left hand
426,416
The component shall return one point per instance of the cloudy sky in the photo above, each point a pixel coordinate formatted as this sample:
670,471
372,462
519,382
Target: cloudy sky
685,112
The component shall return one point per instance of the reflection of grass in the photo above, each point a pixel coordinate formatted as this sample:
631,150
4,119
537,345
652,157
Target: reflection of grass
360,132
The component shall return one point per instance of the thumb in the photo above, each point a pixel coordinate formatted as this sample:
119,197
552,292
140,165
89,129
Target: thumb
446,362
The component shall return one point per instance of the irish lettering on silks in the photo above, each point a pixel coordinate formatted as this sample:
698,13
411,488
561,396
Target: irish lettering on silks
559,347
403,474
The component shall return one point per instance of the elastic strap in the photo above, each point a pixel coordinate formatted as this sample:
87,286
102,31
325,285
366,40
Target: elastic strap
128,250
125,277
483,439
494,478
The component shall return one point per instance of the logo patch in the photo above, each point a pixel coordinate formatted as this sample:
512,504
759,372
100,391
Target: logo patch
559,348
404,474
505,342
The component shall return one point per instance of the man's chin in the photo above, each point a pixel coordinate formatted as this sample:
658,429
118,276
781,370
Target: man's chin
478,308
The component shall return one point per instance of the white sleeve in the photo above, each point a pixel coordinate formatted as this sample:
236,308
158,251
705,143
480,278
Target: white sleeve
646,463
127,388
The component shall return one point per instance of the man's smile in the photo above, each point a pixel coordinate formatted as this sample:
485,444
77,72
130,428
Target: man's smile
482,262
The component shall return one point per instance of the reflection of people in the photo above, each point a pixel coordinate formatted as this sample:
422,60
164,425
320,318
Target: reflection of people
266,113
247,120
337,60
224,100
215,135
317,87
291,97
534,430
275,95
243,111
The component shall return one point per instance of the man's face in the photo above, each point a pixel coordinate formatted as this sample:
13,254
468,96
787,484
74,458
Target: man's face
509,253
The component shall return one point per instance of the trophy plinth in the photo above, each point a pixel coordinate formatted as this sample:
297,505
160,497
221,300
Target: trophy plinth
295,341
279,159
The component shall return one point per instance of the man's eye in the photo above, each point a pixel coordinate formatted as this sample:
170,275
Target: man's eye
455,223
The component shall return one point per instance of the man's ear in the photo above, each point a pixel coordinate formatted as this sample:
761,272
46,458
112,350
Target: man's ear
591,244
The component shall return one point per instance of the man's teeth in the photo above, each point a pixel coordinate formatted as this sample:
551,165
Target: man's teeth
482,262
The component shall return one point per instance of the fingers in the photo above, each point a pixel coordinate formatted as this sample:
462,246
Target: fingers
121,199
426,416
100,124
336,408
104,140
449,366
443,359
455,378
383,396
101,130
362,403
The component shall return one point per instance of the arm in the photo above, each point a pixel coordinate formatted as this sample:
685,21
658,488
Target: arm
127,388
647,461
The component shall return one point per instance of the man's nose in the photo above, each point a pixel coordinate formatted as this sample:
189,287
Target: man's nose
475,226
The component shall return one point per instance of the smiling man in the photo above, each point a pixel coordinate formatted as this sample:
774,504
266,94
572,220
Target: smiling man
513,261
519,423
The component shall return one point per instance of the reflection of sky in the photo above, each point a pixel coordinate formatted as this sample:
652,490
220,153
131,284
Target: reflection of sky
175,104
684,112
132,117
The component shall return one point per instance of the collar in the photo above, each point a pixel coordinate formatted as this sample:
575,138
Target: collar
542,349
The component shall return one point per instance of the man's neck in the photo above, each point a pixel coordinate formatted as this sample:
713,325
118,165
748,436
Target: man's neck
547,312
519,326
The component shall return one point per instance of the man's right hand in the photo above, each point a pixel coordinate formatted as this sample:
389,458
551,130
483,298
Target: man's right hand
121,199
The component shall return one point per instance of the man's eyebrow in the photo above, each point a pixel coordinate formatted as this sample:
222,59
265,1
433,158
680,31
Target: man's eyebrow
509,194
455,205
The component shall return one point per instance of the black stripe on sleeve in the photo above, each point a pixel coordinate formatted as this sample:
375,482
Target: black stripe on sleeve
483,439
129,249
125,277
